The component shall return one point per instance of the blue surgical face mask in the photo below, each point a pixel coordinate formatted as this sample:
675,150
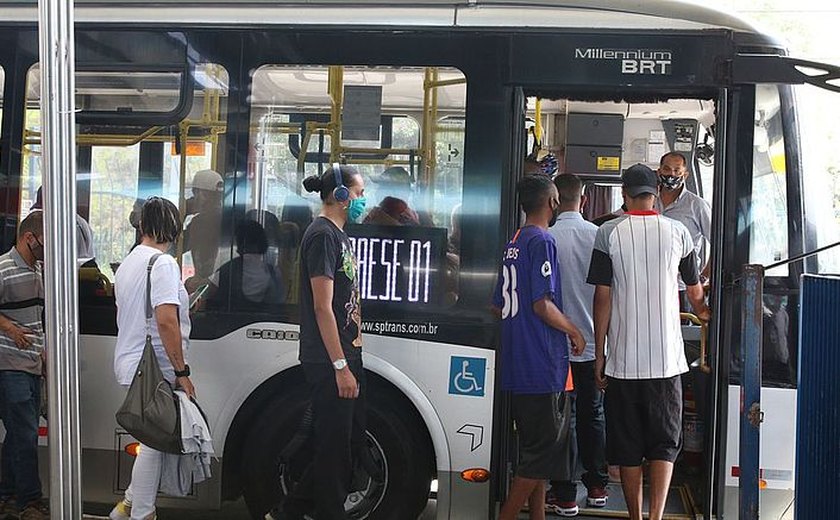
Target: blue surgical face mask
356,208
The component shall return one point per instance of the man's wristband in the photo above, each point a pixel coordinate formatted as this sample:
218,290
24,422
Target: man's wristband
183,373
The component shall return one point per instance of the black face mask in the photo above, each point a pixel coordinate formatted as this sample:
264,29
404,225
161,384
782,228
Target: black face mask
554,214
37,251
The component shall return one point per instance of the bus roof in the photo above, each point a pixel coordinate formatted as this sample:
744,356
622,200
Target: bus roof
650,14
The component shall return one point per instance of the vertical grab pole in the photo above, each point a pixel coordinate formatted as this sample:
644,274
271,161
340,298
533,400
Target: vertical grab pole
751,415
55,23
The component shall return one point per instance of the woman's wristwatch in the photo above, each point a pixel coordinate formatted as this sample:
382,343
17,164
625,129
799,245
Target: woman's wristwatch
183,373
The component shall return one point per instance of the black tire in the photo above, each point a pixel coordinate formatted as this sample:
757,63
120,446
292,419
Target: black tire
397,441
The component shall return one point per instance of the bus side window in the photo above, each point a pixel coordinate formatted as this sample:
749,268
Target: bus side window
769,222
403,134
769,236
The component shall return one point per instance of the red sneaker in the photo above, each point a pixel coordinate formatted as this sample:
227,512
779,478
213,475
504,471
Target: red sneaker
597,497
552,503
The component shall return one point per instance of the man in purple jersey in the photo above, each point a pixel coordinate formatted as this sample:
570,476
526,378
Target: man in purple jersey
534,357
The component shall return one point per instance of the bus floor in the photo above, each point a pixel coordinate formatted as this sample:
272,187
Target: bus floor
229,511
686,489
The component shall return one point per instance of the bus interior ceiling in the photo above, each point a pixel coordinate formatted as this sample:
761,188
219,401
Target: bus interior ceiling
645,128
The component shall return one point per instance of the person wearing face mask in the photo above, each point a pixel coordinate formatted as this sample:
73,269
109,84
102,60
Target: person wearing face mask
21,369
535,348
330,347
202,228
687,208
576,238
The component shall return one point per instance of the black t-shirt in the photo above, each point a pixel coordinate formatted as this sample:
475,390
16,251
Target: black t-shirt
326,251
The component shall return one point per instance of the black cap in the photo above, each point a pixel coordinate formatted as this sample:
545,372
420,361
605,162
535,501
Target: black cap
639,179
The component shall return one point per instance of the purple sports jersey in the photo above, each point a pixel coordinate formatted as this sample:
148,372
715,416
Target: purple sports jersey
535,356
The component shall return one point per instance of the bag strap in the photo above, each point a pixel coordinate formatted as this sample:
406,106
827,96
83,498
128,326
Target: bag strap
149,309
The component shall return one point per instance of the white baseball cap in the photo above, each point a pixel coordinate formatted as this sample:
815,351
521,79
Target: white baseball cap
208,180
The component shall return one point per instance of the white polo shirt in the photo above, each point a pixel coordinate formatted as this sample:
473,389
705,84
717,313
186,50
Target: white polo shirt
639,256
575,239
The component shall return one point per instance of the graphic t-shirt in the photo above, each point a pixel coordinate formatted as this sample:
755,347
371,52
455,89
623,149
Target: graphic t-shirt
535,356
326,251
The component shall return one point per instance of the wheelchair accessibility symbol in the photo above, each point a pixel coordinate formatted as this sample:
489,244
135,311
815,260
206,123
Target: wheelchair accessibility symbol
466,376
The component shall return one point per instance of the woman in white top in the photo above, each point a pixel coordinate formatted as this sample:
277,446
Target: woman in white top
160,224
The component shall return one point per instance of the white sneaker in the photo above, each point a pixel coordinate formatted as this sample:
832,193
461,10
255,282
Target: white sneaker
122,511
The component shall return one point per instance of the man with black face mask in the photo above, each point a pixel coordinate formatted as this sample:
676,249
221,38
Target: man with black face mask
678,203
21,368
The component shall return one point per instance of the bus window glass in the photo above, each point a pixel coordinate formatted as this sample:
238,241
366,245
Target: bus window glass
120,165
2,89
821,171
403,130
120,91
768,218
113,175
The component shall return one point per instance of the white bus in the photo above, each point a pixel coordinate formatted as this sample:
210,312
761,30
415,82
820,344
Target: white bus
265,93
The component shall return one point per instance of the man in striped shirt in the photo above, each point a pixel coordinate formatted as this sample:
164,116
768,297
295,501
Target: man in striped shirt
21,359
635,266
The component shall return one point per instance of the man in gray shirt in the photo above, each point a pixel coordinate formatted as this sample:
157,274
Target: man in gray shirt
687,208
21,359
575,239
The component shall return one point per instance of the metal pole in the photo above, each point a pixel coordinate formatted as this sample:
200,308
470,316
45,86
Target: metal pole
60,275
751,414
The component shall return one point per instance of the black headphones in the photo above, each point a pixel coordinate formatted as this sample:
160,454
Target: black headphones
341,193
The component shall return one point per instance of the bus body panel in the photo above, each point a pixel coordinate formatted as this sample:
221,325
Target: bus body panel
778,437
460,434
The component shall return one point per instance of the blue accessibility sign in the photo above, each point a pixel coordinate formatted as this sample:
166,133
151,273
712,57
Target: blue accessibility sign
467,375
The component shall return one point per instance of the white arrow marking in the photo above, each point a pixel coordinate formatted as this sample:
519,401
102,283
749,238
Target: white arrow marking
476,433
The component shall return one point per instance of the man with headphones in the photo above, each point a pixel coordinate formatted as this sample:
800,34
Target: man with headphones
330,347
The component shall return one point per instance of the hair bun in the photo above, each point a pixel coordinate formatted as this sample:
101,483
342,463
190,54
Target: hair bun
313,184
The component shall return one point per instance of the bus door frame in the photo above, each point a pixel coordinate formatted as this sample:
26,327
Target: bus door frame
733,175
505,446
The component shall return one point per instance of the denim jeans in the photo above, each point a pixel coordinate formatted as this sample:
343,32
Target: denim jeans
20,404
588,432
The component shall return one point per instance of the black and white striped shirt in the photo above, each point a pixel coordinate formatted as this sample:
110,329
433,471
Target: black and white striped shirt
640,255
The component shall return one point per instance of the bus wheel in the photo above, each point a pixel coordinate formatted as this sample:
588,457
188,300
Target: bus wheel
398,453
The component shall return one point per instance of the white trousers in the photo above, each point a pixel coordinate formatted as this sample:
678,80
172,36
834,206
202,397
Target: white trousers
145,480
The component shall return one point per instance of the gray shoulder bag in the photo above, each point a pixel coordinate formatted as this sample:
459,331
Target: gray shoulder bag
150,411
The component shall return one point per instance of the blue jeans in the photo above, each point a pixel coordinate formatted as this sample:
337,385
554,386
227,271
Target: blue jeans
588,433
20,404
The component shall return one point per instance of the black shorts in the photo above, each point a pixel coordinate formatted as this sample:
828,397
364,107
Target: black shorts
644,420
542,428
